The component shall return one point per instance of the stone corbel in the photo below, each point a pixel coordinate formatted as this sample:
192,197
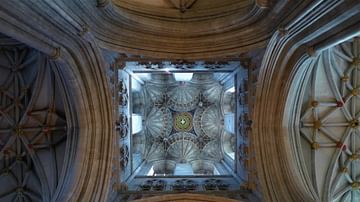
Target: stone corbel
282,31
120,64
183,5
263,3
102,3
311,51
55,54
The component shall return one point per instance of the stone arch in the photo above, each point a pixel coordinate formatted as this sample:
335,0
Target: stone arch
90,95
280,172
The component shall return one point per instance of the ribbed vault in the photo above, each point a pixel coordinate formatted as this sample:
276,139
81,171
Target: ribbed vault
284,109
73,33
329,122
34,124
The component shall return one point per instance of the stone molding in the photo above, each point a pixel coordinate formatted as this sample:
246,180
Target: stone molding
167,36
186,197
89,175
320,25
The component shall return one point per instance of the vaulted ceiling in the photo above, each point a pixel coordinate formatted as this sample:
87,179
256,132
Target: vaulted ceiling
199,99
329,123
311,157
182,12
201,29
35,124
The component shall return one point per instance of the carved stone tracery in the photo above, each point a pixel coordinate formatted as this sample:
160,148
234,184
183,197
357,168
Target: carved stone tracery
184,185
122,126
124,156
